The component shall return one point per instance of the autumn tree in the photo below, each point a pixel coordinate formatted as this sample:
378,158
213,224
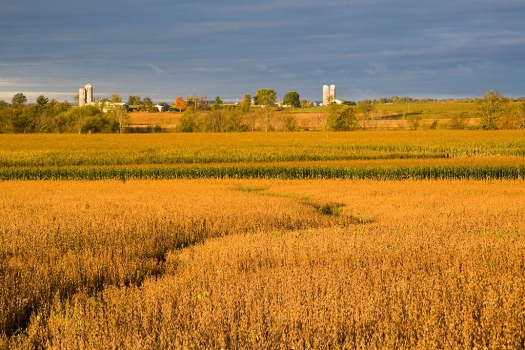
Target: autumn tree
491,108
246,102
180,104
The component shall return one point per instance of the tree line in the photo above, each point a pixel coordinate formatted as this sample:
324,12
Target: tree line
51,116
201,115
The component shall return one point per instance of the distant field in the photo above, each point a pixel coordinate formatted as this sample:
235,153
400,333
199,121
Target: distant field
387,116
428,110
164,119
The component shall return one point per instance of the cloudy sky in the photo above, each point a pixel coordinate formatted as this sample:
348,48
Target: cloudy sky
168,48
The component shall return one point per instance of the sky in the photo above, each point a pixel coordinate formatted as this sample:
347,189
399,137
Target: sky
167,48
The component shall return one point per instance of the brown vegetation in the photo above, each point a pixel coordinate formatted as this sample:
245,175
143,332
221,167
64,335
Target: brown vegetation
277,264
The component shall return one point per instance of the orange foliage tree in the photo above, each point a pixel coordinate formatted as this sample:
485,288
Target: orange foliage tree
180,104
246,102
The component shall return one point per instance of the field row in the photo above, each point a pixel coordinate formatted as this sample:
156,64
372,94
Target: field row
262,264
85,150
269,172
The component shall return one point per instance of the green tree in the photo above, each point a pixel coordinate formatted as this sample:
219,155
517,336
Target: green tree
24,120
215,121
233,120
366,107
118,115
266,116
290,123
115,98
218,103
521,115
43,113
491,108
192,101
341,118
202,103
41,101
78,115
5,118
306,104
292,99
188,121
458,121
59,116
18,100
265,97
198,102
147,103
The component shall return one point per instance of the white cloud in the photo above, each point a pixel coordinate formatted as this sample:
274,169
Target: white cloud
156,68
213,70
464,69
7,83
376,68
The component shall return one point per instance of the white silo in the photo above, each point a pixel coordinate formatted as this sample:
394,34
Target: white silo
81,97
332,93
89,93
326,95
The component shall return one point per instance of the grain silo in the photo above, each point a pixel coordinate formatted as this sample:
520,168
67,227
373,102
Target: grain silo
89,93
332,93
81,97
326,95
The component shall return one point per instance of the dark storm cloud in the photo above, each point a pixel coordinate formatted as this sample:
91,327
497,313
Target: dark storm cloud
164,48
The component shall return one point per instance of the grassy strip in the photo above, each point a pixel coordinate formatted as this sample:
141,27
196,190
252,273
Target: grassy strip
267,172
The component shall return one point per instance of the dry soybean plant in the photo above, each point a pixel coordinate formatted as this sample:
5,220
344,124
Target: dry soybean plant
403,264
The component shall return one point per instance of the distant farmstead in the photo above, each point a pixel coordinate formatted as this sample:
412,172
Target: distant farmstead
85,95
329,96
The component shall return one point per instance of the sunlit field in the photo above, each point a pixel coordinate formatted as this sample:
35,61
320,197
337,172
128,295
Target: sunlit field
385,155
355,240
262,264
